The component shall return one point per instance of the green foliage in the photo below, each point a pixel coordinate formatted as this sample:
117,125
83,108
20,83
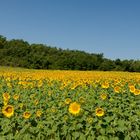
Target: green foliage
19,53
120,121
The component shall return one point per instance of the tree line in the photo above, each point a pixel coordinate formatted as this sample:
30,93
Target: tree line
19,53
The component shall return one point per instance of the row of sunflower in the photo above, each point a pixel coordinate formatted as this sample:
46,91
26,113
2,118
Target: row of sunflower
69,105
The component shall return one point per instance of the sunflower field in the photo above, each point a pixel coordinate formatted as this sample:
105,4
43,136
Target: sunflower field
69,105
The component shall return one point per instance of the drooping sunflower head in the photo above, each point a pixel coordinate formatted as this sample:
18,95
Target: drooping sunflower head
81,99
74,108
67,101
32,95
36,102
21,105
90,120
53,109
26,115
99,112
65,118
8,110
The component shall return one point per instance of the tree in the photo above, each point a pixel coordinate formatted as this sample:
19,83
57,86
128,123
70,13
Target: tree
107,65
17,52
2,41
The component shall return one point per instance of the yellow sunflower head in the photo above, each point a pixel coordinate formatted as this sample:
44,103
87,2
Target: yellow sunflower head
137,92
38,113
74,108
16,96
105,85
5,102
6,96
53,109
132,89
36,102
26,115
99,112
8,110
117,89
103,96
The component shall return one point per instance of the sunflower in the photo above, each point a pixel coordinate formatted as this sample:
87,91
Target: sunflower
117,89
137,92
99,112
90,120
8,110
6,96
105,85
65,118
16,96
32,96
103,96
81,99
21,105
38,113
36,102
53,109
74,108
132,89
5,102
26,115
67,101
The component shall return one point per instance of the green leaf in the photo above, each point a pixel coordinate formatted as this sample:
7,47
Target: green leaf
27,137
102,138
102,131
109,130
108,119
91,137
75,134
138,134
54,128
121,126
24,129
82,136
2,138
133,134
114,138
68,137
78,126
127,137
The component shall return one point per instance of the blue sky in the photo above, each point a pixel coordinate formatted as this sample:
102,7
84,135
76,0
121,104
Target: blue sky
111,27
